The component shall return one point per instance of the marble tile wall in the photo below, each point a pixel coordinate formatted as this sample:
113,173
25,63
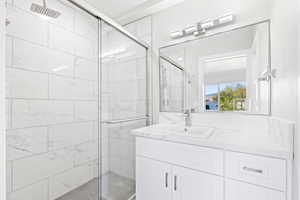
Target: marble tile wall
51,101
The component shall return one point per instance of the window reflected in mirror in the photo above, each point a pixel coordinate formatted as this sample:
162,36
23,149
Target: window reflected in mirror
225,83
212,97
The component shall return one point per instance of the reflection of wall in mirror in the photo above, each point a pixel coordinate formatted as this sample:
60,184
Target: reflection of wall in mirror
258,63
171,87
193,83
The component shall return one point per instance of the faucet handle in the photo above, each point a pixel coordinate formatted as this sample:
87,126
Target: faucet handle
187,112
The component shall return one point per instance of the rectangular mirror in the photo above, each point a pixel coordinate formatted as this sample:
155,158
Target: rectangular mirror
224,72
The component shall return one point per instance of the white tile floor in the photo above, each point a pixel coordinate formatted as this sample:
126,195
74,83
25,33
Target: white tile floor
114,187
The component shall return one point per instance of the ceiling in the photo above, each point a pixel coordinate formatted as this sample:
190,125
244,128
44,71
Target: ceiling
227,64
125,11
115,8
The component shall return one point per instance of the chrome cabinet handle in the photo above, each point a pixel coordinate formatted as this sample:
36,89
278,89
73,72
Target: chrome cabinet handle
259,171
175,183
166,179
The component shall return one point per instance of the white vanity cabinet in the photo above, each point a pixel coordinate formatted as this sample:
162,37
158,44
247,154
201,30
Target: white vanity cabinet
236,190
161,181
154,179
175,171
191,184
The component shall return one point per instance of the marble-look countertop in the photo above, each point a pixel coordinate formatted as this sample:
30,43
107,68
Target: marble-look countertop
277,144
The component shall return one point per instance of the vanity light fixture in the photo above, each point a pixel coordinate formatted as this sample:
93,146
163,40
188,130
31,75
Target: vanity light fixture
199,32
207,25
177,34
201,27
196,33
226,19
190,30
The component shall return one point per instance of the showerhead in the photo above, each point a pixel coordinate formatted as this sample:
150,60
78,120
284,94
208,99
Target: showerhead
43,10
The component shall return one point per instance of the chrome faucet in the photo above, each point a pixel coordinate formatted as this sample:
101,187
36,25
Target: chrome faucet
187,118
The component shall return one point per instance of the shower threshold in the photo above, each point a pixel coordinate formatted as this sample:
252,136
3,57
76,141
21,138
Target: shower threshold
114,187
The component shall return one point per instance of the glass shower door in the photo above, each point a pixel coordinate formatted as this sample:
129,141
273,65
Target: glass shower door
123,108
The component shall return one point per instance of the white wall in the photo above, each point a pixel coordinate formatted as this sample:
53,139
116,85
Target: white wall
297,138
284,58
284,52
2,102
283,36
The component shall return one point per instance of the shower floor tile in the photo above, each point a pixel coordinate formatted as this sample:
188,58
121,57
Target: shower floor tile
114,187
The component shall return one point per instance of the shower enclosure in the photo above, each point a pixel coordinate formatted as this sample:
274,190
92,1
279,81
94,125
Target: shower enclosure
76,87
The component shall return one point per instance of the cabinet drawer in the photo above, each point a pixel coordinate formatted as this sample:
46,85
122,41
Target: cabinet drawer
258,170
242,191
190,156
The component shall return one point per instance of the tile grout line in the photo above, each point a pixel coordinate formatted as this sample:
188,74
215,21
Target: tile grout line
55,99
87,163
11,114
72,54
55,150
48,189
21,68
48,87
56,124
12,176
51,48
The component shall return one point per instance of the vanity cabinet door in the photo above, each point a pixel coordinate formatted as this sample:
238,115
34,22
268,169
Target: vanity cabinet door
236,190
195,185
153,180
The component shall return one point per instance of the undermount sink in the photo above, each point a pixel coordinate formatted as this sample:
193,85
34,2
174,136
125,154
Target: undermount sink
193,131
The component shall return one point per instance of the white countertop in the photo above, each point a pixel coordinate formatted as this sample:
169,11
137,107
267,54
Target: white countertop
271,143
